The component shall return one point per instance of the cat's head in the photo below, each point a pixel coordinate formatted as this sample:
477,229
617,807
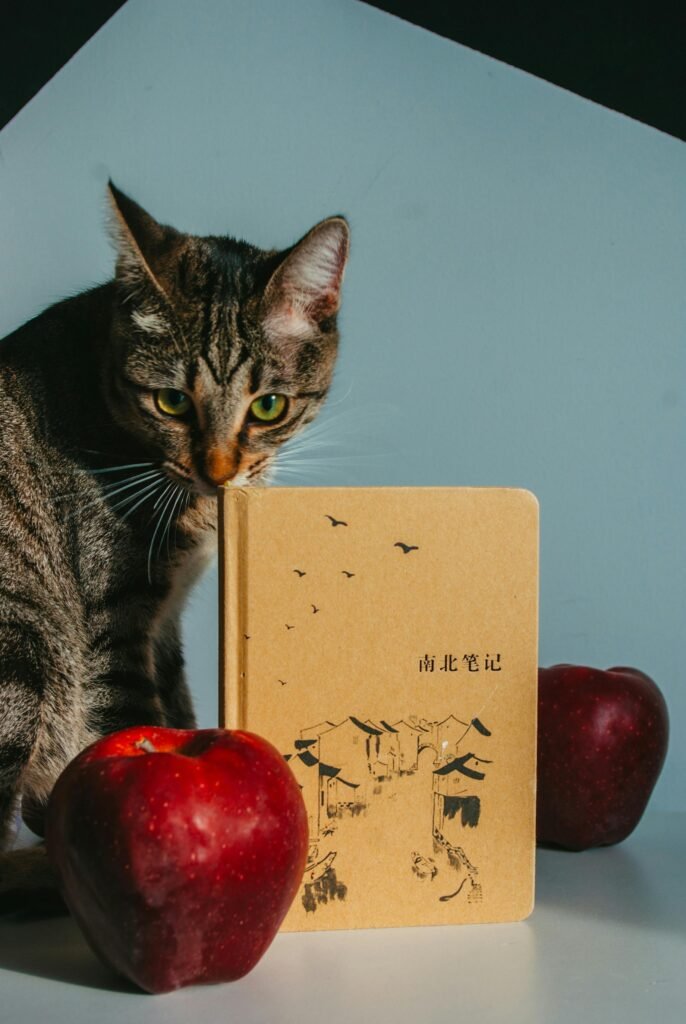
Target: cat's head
221,351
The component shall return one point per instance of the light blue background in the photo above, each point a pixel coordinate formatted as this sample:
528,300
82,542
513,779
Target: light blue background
514,309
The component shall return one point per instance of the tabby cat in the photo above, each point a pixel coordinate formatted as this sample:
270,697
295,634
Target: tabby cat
123,409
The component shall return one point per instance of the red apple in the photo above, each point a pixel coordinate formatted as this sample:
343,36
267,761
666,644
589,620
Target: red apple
602,741
179,851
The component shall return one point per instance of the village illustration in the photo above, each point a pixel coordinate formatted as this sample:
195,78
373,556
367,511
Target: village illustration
348,769
395,804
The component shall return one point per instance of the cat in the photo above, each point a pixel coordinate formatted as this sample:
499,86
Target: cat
123,409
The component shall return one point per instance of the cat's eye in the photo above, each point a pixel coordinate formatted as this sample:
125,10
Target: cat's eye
172,402
268,408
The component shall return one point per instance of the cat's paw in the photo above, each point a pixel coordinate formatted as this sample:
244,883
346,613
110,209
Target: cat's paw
33,814
28,884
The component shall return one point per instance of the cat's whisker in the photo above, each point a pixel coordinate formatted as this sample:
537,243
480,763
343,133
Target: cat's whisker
286,457
172,484
159,499
358,422
175,517
297,474
164,518
309,443
170,519
115,469
332,455
185,505
160,516
146,494
302,472
325,446
333,403
96,451
106,455
171,505
107,487
133,481
107,491
352,413
325,428
304,467
333,442
287,460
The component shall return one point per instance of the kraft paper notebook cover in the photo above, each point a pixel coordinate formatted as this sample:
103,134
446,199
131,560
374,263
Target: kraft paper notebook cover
384,639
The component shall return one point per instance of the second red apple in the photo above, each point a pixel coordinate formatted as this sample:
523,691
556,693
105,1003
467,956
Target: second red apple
602,741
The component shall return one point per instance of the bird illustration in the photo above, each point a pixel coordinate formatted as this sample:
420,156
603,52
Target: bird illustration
289,627
348,574
300,572
335,522
405,547
314,609
283,682
245,636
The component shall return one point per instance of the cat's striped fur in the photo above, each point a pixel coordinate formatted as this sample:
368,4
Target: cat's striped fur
95,560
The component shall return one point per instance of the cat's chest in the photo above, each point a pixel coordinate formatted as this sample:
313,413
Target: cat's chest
185,574
133,588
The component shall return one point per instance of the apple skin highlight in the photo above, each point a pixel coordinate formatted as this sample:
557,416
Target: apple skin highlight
602,742
179,851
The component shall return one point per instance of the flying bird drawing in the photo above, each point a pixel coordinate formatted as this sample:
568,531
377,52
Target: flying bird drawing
405,547
348,574
314,609
289,627
335,522
245,636
300,572
282,681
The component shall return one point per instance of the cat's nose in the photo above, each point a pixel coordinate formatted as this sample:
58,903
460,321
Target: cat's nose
221,464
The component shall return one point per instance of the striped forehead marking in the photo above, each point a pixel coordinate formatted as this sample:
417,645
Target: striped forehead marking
225,349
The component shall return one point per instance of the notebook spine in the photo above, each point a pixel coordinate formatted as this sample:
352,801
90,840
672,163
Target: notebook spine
232,606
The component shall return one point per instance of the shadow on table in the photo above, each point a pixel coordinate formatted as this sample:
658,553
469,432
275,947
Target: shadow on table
638,883
45,942
53,947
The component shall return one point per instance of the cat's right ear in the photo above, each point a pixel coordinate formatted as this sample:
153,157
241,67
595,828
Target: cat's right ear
143,246
305,290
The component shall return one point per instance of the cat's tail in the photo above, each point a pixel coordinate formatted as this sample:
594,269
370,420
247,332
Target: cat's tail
29,884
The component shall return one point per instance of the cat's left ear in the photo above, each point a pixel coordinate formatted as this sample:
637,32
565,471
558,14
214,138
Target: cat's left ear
144,247
305,289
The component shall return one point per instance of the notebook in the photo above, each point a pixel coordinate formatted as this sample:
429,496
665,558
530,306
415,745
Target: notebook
384,639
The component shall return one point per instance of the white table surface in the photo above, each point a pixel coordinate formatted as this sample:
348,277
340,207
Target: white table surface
606,942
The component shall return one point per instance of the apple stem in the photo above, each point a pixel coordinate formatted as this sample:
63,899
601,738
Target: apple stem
146,745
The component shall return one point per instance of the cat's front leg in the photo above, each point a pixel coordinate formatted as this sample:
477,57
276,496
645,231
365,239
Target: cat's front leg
23,661
125,695
171,680
29,883
27,664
